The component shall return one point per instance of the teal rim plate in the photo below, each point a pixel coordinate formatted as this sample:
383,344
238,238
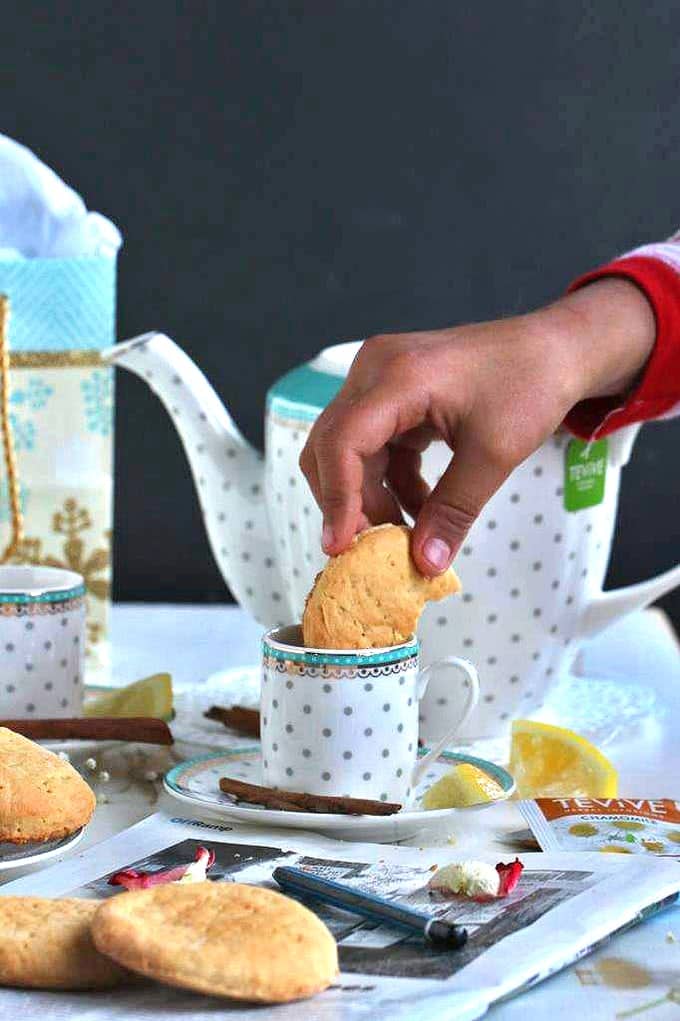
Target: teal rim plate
196,782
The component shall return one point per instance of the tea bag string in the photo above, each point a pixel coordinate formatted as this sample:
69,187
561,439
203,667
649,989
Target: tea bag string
17,520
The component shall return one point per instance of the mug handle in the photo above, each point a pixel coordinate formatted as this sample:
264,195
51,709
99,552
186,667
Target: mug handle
470,673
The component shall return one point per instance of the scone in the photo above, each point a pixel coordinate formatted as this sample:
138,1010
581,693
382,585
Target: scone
47,944
42,797
224,939
371,595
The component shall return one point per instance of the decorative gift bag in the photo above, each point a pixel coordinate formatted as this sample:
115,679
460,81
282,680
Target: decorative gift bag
57,311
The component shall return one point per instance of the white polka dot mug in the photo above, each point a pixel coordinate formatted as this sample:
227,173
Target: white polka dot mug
42,622
346,722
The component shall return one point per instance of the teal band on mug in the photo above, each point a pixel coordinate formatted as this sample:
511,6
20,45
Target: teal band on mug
66,595
271,646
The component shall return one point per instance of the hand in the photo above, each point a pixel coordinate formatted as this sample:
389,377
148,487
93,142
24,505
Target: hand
493,392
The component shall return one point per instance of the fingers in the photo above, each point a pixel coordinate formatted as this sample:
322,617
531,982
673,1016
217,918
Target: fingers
405,479
452,507
345,437
378,503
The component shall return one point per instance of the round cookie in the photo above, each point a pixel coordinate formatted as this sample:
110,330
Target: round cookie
371,596
47,944
42,797
224,939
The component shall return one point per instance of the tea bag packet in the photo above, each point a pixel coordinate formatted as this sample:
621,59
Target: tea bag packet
610,825
57,273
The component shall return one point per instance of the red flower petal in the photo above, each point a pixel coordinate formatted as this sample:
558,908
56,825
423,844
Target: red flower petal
131,879
508,876
208,854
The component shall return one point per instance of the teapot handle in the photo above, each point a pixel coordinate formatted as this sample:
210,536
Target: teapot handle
607,607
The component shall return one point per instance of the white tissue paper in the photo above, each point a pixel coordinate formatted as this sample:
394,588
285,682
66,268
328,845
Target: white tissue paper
41,217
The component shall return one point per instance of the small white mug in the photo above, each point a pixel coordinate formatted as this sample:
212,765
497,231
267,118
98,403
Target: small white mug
42,638
346,722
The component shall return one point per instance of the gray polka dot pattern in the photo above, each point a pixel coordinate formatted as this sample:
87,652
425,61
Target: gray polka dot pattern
41,660
527,565
534,490
315,734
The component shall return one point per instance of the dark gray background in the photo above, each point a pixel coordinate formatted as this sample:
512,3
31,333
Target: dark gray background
290,174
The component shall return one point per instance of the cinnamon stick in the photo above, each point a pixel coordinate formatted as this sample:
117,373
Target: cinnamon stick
297,801
144,729
236,717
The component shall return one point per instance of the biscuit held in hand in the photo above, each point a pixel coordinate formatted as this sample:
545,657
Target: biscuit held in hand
371,595
223,939
46,944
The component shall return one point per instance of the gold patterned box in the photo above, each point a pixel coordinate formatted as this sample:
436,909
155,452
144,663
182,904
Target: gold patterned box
60,414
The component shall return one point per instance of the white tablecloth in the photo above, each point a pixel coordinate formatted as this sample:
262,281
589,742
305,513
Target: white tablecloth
638,972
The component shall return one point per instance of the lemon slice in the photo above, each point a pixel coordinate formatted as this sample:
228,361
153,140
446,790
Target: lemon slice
551,762
461,787
152,696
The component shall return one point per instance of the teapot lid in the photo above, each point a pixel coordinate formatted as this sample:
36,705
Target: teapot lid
303,392
336,359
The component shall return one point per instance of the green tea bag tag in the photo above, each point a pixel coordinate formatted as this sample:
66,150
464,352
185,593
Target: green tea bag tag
585,470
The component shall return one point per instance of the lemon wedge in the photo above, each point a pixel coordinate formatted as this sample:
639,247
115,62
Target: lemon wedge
152,696
462,786
551,762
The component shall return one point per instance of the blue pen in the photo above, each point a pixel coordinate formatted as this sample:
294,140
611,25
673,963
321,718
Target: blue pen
377,909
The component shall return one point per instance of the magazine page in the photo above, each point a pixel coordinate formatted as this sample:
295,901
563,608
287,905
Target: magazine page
546,923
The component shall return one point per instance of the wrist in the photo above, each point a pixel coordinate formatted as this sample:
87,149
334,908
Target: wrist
610,328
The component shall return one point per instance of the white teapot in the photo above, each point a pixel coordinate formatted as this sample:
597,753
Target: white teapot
532,572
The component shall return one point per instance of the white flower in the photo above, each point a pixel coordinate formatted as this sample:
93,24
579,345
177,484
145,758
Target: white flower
471,878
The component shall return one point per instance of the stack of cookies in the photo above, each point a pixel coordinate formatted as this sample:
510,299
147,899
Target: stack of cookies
223,939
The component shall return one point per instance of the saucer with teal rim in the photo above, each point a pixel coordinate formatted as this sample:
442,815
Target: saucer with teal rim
196,783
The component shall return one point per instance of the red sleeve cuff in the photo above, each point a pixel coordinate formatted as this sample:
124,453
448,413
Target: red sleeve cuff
659,389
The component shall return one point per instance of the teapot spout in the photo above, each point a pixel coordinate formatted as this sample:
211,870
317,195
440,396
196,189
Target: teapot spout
228,472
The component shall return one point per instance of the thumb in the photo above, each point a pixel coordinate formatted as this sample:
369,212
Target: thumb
452,508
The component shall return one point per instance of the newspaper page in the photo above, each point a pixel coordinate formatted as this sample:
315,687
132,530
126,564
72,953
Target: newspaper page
563,906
